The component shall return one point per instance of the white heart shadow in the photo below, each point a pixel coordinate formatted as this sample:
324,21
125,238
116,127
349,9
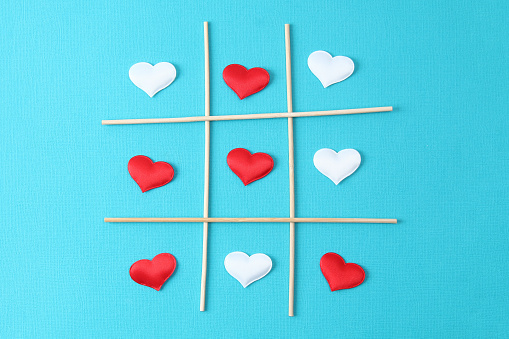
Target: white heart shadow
337,166
152,79
247,269
330,70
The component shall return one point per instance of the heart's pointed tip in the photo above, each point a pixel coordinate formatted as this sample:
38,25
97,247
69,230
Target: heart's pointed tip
328,284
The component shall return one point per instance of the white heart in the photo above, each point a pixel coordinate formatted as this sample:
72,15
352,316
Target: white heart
330,70
152,79
337,166
247,269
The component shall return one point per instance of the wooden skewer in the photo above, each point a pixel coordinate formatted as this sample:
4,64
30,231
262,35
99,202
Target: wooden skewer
207,167
247,116
291,167
275,220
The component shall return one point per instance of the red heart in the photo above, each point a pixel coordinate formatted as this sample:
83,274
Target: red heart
149,175
249,167
245,82
340,275
153,273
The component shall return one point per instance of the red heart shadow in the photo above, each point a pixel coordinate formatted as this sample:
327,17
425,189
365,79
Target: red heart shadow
153,273
245,82
148,174
249,167
340,275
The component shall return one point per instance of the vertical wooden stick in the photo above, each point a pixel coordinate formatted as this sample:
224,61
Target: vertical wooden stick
207,166
291,167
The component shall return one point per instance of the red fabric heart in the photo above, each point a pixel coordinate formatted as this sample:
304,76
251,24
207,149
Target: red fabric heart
149,175
340,275
153,273
249,167
245,82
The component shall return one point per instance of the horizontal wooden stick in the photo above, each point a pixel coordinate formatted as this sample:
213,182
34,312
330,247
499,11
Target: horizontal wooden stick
285,220
247,116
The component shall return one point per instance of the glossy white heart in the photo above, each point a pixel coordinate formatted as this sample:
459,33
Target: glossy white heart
152,79
247,269
330,70
337,166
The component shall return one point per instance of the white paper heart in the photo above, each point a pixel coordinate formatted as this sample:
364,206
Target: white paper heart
152,79
330,70
247,269
337,166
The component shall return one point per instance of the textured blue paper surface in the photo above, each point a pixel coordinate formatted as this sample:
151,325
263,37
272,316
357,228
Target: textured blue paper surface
438,163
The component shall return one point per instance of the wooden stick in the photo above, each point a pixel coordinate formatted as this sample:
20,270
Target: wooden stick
275,220
207,167
290,167
247,116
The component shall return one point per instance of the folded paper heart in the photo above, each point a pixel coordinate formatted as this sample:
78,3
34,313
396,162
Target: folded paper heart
245,82
152,79
339,274
148,174
337,166
247,269
153,273
330,70
249,167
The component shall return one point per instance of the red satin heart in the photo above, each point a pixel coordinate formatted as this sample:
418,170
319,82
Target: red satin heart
245,82
340,275
153,273
148,174
249,167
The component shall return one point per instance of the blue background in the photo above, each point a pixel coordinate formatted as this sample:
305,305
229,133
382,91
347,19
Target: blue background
438,163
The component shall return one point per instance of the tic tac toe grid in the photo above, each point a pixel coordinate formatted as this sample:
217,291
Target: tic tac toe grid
289,115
